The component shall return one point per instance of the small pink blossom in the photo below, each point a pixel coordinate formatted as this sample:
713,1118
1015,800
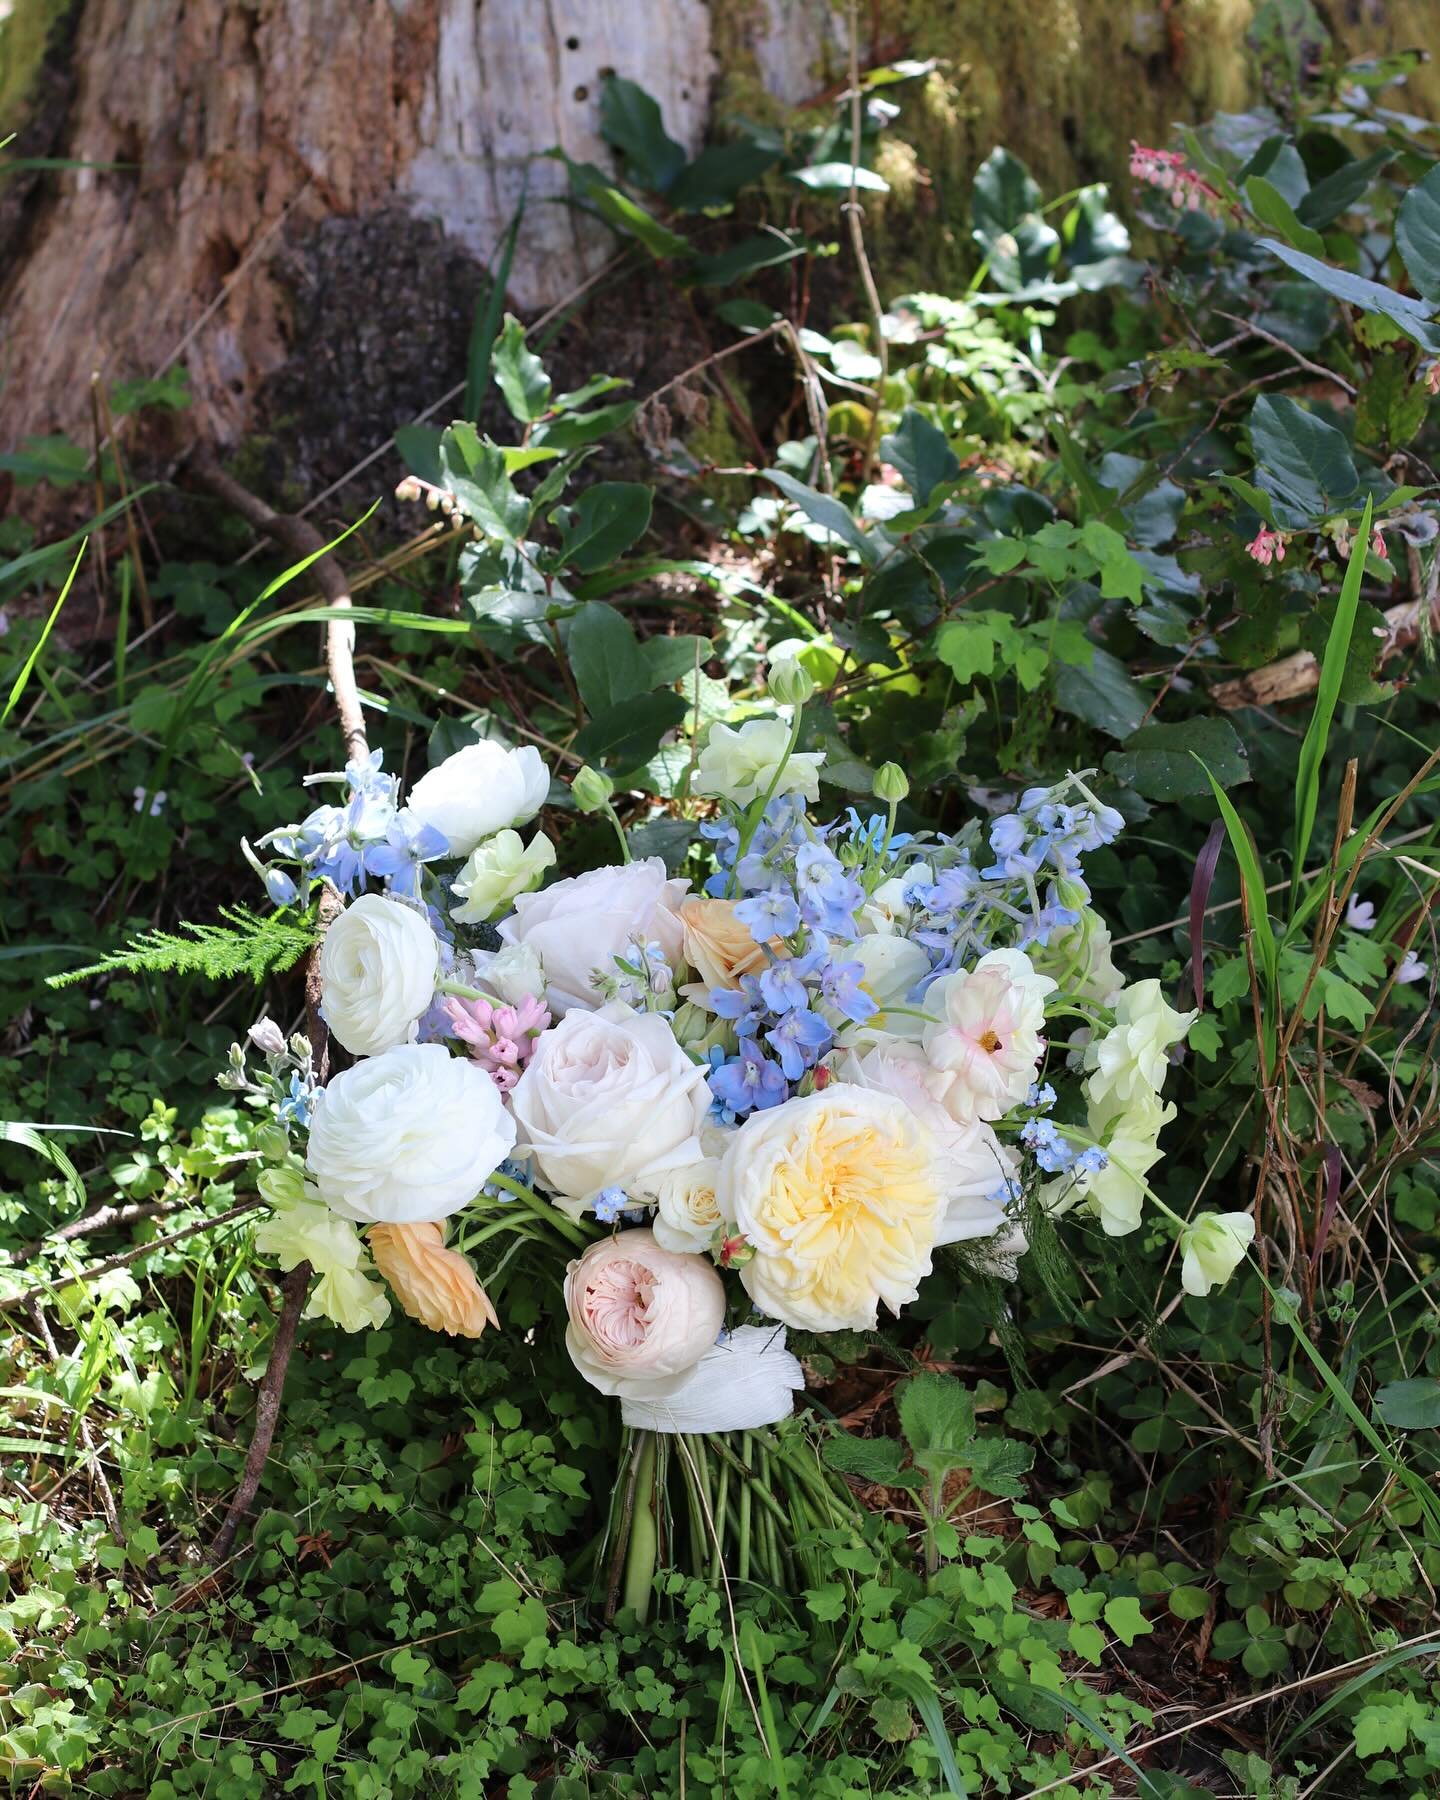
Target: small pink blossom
1267,546
1377,544
1167,171
501,1038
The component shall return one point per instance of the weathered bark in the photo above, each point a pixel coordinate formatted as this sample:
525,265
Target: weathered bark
312,185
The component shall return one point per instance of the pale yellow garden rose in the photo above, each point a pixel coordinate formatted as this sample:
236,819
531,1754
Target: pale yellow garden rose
842,1196
434,1285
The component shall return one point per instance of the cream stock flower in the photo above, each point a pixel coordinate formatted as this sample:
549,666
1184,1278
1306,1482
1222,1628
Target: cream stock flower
434,1285
1214,1246
840,1197
984,1037
641,1317
379,963
741,765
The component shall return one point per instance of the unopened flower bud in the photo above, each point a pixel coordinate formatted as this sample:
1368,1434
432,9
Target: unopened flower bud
891,783
409,489
273,1143
267,1037
791,684
591,789
432,499
1072,893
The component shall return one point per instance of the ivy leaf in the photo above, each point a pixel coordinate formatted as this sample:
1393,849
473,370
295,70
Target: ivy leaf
1159,760
1417,235
631,120
922,454
602,524
1102,694
1379,1729
519,373
967,646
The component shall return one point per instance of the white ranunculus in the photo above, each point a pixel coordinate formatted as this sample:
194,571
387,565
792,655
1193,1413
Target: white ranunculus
641,1317
609,1099
480,790
747,1380
407,1137
499,869
379,963
577,927
1214,1245
687,1215
741,765
1131,1059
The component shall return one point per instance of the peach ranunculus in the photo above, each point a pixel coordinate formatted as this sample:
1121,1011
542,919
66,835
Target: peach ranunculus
640,1317
718,946
434,1285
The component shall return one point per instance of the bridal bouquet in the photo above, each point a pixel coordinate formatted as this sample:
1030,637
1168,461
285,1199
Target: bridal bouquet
752,1094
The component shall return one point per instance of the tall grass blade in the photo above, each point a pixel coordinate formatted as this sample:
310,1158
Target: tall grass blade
1252,879
487,321
22,680
1327,697
1405,1653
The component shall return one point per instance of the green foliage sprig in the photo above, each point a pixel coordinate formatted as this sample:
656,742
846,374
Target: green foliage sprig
247,945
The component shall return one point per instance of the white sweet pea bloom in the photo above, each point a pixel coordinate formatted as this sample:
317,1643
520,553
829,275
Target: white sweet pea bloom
641,1317
409,1136
303,1230
578,927
478,791
350,1300
609,1099
1130,1059
497,870
379,963
983,1040
687,1215
1214,1246
740,765
1115,1195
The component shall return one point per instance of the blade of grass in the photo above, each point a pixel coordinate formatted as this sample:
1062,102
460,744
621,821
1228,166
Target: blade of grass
487,321
1405,1654
927,1704
1263,932
22,680
1327,697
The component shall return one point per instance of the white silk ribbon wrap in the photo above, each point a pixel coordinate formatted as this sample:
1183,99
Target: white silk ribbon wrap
746,1381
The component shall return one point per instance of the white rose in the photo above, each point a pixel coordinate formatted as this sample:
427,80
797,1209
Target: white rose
609,1099
577,927
408,1136
1214,1245
496,872
741,765
379,963
641,1317
687,1215
480,790
984,1039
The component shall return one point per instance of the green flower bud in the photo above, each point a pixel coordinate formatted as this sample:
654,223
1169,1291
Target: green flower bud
591,789
1071,893
791,684
273,1142
891,784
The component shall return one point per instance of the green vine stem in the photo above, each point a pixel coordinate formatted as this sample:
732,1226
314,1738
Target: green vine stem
644,1537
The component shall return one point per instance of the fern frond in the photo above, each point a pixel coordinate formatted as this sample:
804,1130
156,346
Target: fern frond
244,945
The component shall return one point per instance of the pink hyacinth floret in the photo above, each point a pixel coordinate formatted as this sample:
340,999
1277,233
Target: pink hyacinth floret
501,1038
1267,546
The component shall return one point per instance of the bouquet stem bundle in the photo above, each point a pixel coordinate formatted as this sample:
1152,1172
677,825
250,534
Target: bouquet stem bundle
746,1506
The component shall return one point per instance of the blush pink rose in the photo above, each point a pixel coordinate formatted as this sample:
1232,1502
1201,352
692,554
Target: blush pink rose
640,1317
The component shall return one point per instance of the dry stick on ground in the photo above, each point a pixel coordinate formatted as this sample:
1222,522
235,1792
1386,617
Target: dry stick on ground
301,538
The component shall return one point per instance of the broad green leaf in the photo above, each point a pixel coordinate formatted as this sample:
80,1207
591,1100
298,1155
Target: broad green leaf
1006,222
1412,1405
1159,760
671,659
630,119
572,430
728,266
937,1415
602,524
1149,507
1417,235
1412,316
1303,462
879,1459
1102,694
604,657
967,646
519,373
1087,1641
594,189
825,510
1331,198
629,734
922,454
717,175
1125,1619
1188,1602
1272,209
